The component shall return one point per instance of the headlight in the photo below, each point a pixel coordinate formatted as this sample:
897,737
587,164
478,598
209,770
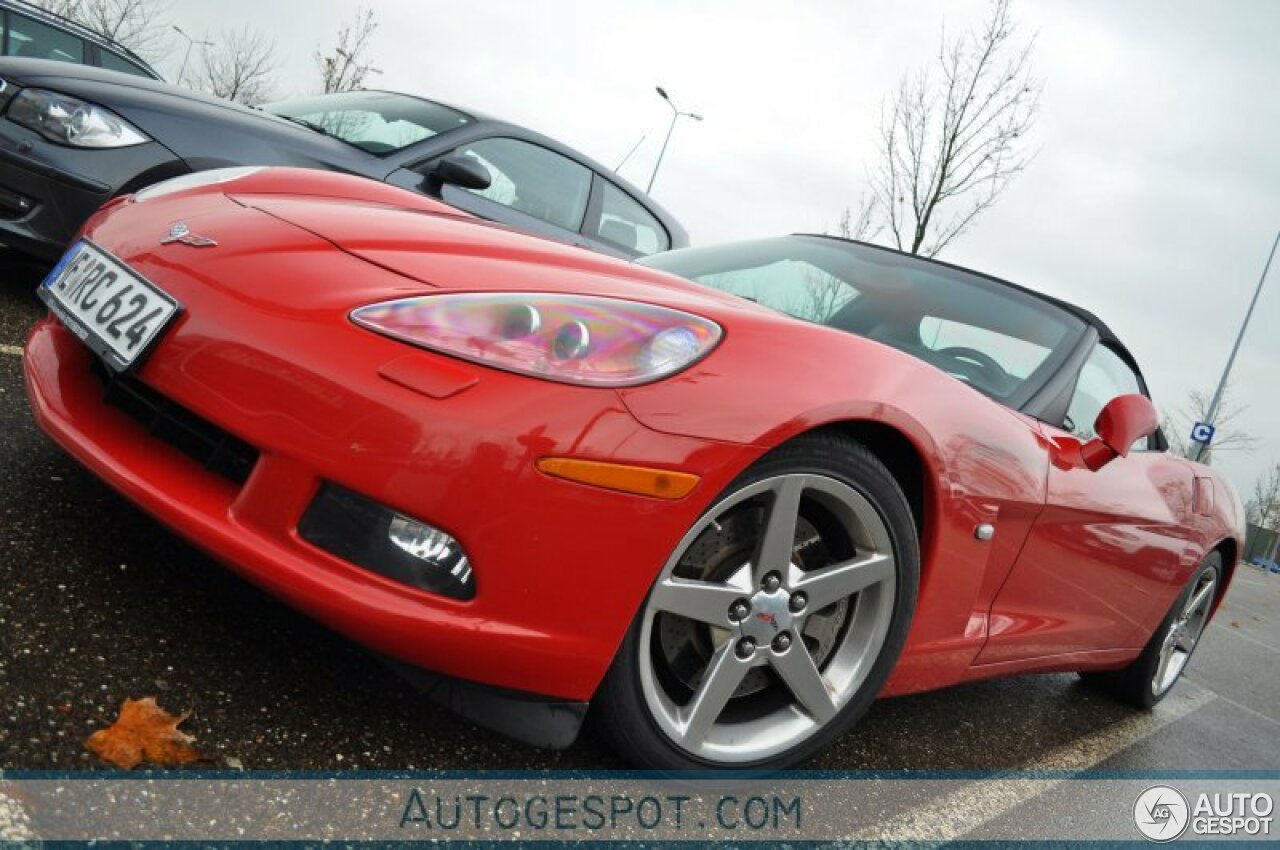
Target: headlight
575,339
70,121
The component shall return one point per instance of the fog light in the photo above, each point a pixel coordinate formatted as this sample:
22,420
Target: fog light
375,537
430,545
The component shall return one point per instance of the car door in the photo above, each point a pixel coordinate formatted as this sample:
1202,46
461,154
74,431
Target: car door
1111,547
114,61
531,187
25,36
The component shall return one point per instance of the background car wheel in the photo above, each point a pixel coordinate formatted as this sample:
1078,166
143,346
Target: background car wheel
777,619
1150,677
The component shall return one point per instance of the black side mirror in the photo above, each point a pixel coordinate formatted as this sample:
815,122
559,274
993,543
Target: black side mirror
455,170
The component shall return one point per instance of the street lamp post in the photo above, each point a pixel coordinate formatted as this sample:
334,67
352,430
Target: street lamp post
1198,447
187,55
675,114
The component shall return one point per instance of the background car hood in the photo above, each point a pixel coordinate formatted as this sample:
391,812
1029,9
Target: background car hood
458,251
173,116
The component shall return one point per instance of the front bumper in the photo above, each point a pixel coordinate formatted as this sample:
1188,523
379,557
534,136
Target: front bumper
48,191
561,568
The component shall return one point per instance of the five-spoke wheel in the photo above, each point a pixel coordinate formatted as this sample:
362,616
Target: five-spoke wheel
777,616
1184,632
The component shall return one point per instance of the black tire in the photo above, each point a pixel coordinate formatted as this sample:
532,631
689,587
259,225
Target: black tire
1134,685
620,708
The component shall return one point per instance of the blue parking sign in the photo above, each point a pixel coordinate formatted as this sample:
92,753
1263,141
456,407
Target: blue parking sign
1202,433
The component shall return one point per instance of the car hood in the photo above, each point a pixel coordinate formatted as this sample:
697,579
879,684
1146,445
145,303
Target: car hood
460,252
172,115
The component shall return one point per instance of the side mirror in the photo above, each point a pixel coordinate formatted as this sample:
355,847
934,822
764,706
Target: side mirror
1125,420
456,170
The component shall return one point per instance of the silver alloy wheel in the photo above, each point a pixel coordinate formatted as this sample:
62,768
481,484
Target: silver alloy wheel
756,617
1183,633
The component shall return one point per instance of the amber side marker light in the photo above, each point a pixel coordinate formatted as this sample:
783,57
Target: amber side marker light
659,483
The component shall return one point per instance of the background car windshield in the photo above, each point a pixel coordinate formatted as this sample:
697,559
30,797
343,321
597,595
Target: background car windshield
379,122
987,334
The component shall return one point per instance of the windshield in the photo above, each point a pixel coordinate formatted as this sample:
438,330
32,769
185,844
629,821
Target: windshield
990,335
378,122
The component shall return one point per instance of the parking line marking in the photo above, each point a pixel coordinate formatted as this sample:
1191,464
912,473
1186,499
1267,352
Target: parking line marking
970,807
1236,605
1228,630
1247,710
14,350
15,825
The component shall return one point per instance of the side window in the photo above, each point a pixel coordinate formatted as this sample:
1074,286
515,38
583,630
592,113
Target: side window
114,62
1103,377
40,41
627,224
531,180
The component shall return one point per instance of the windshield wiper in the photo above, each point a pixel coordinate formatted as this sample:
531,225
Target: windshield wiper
302,122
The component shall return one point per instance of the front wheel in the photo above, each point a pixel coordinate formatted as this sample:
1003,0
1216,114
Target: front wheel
776,620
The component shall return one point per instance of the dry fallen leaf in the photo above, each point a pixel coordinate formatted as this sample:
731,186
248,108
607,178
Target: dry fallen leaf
143,732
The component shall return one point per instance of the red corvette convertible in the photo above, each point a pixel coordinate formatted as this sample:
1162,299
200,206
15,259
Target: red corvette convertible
729,496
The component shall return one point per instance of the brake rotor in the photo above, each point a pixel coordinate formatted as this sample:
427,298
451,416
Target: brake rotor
722,554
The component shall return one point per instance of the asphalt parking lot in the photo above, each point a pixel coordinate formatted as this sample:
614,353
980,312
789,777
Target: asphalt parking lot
99,603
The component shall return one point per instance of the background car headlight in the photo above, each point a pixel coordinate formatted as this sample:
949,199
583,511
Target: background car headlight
70,121
576,339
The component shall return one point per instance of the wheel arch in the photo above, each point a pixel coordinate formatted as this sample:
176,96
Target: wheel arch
1229,548
906,462
163,171
901,456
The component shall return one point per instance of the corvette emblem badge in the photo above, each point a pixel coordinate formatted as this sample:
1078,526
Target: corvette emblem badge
181,233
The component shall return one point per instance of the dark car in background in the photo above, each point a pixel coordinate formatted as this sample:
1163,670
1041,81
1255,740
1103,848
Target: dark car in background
73,137
31,31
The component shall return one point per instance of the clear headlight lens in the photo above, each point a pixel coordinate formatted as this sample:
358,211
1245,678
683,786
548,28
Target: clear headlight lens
575,339
71,121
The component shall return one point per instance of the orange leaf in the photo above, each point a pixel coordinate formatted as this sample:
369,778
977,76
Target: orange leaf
143,732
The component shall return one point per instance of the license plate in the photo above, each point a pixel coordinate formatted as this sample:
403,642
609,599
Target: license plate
113,309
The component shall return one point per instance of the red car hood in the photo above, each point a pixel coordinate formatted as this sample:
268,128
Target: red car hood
464,253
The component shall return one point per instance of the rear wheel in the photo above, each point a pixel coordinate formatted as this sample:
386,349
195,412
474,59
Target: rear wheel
775,621
1153,674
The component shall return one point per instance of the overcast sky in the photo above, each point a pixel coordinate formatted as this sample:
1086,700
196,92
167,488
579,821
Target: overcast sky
1153,200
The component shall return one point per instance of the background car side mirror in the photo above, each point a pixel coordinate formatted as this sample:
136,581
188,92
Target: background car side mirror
1123,421
455,170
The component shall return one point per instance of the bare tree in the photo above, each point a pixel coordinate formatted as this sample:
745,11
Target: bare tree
952,135
1228,437
240,68
140,25
345,68
823,296
860,224
1263,508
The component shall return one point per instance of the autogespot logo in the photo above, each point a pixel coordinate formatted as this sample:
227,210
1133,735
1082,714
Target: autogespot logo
1161,813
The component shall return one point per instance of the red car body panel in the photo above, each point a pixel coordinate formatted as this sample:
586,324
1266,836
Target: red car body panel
264,349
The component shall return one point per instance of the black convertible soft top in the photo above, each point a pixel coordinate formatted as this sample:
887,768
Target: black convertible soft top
1105,334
